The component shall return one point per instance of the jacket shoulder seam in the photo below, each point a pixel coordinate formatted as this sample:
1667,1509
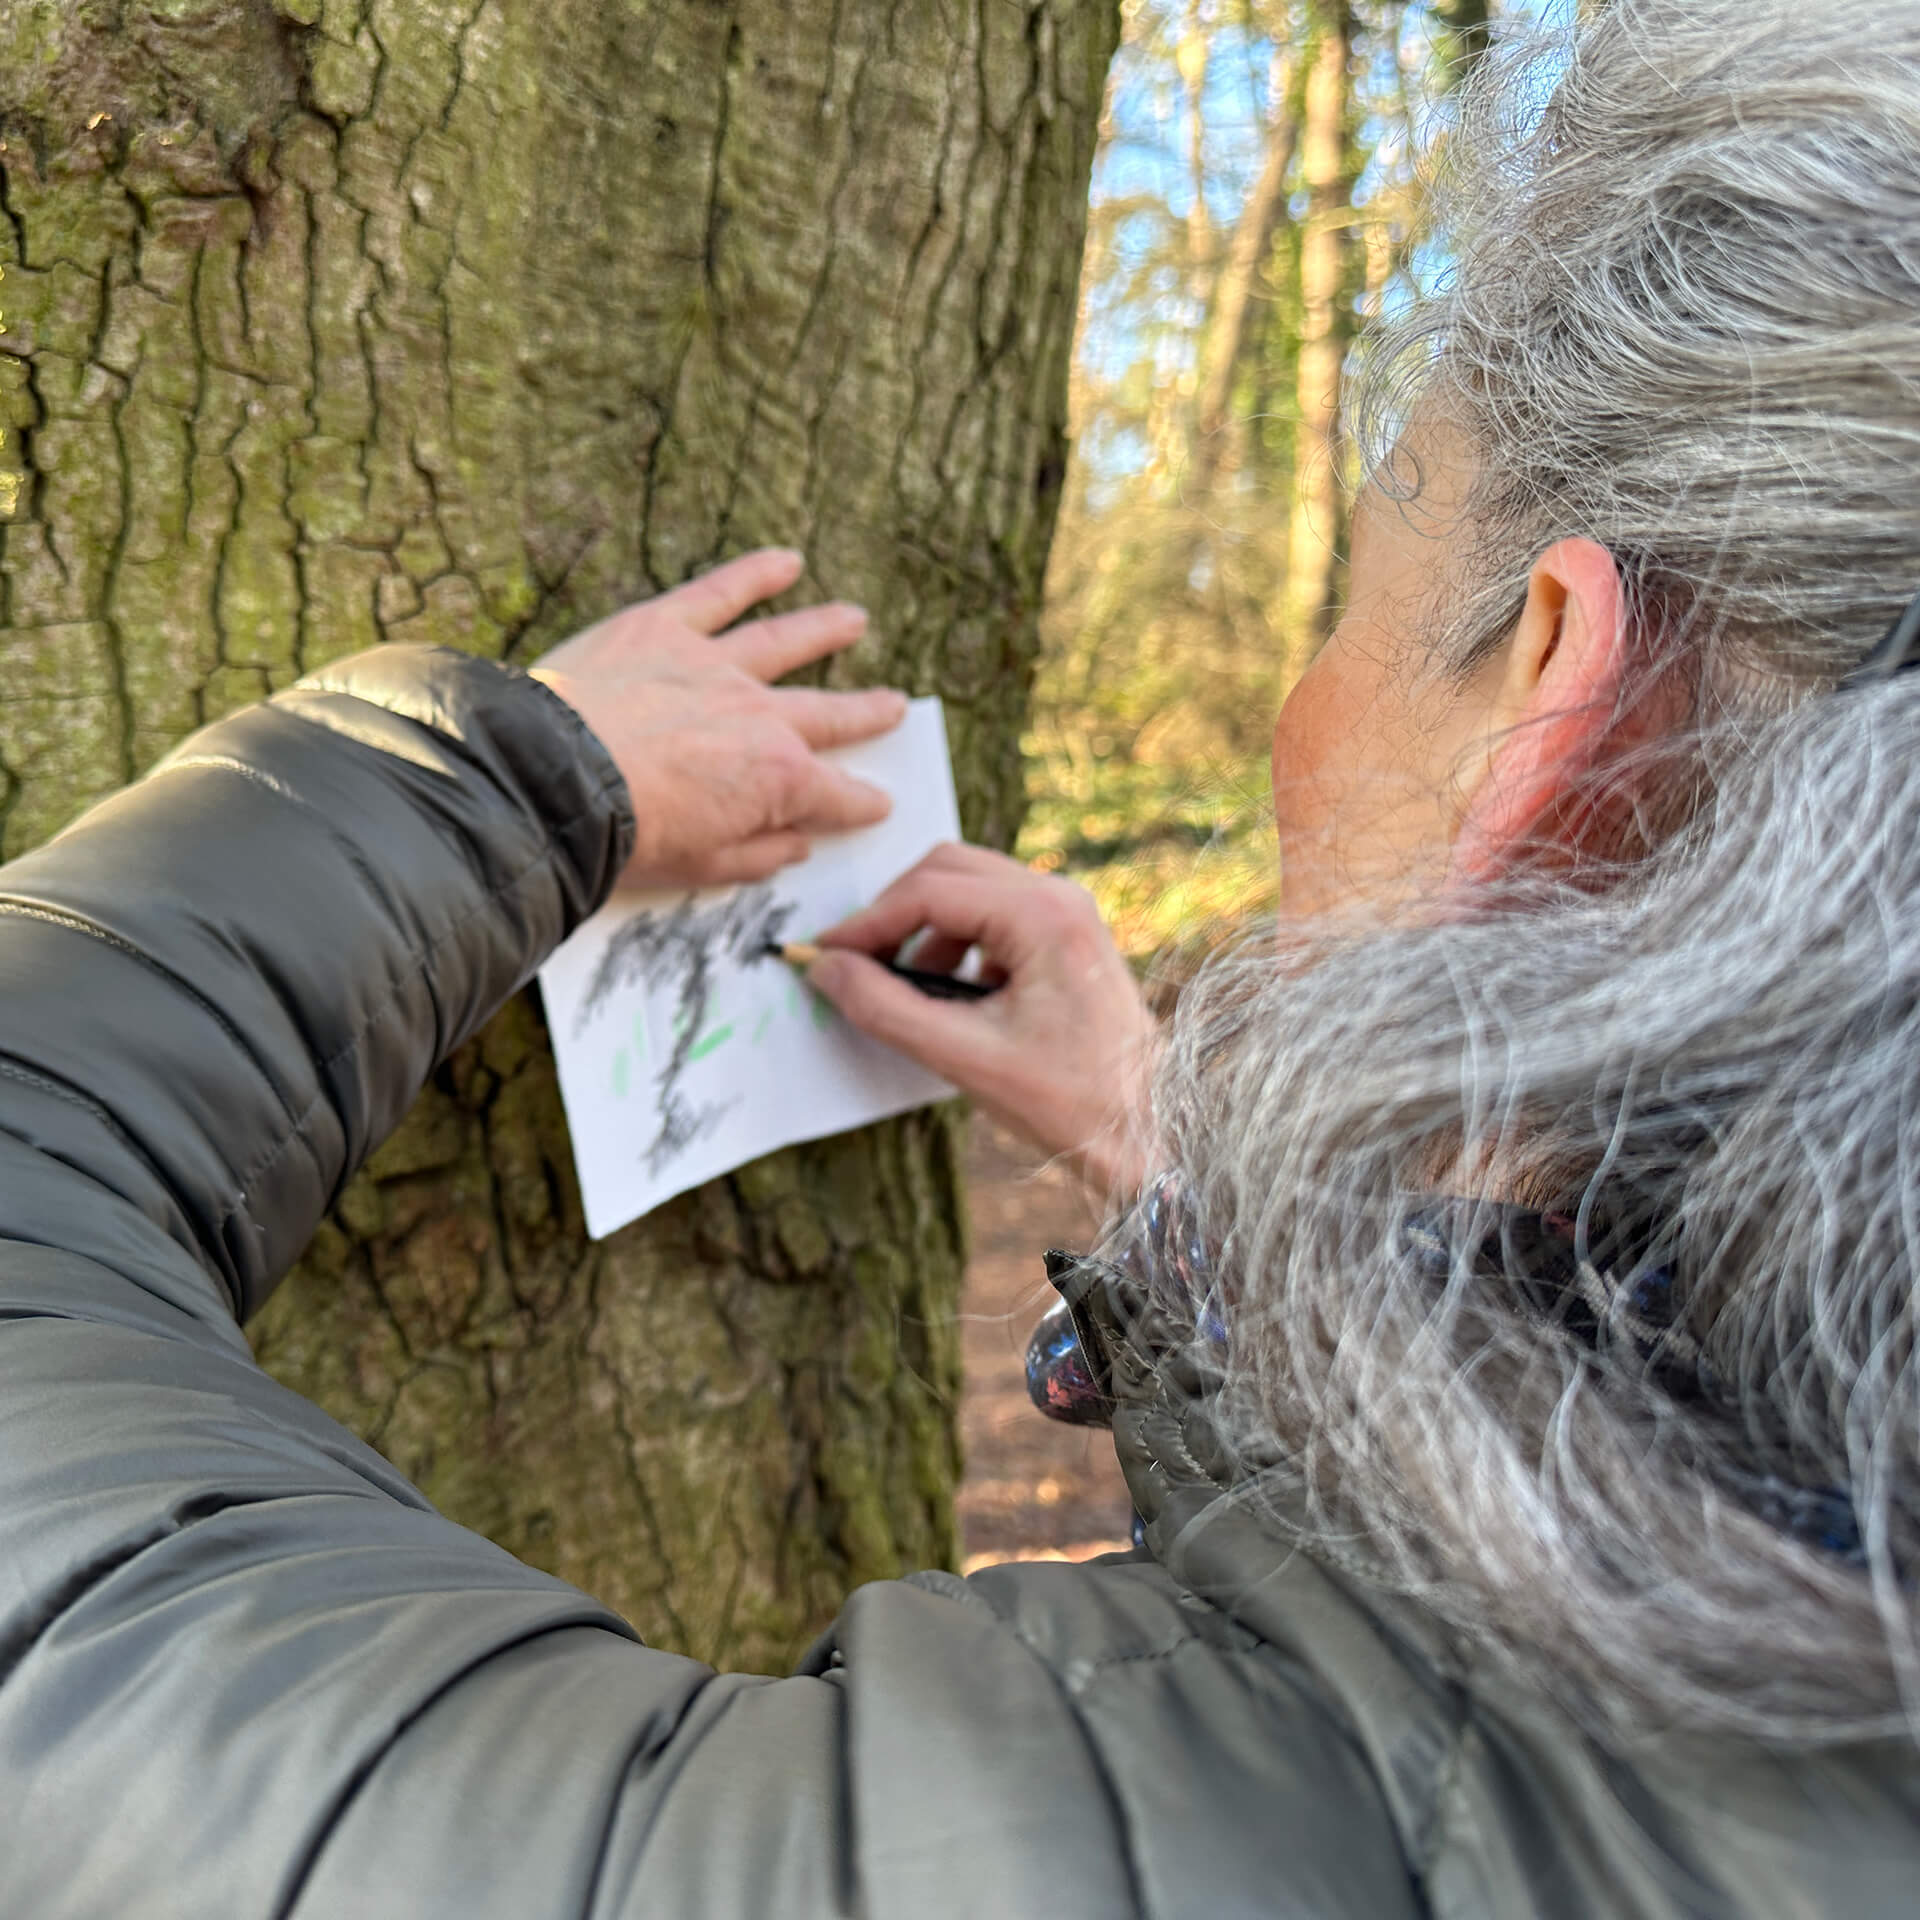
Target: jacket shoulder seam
1086,1669
1442,1803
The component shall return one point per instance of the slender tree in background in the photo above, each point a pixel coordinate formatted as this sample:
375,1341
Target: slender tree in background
1326,184
1219,440
334,322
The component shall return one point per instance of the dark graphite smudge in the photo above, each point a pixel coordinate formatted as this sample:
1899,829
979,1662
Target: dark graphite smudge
684,944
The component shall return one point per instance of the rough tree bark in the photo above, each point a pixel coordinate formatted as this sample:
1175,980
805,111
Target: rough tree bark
333,322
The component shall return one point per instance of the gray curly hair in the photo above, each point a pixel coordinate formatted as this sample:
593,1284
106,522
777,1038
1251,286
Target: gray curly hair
1683,318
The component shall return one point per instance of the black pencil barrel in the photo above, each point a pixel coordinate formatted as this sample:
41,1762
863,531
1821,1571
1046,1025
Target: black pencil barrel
941,986
936,986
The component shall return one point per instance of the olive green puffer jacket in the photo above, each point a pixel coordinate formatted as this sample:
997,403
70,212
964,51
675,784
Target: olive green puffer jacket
246,1670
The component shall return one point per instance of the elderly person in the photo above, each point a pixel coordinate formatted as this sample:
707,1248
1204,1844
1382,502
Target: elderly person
1508,1336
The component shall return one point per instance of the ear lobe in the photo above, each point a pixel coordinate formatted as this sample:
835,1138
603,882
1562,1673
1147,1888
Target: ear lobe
1558,704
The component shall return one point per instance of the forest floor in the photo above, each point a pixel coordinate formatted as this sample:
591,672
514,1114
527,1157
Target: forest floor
1034,1489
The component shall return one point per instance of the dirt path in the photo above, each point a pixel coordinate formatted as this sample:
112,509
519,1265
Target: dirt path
1034,1489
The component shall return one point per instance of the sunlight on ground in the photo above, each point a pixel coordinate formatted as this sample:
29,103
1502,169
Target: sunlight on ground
1080,1550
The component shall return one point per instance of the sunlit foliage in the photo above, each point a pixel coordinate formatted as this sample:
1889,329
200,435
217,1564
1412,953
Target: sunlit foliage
1252,201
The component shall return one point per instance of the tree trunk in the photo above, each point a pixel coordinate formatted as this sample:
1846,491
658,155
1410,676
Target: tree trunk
1462,32
330,322
1229,326
1312,528
1192,57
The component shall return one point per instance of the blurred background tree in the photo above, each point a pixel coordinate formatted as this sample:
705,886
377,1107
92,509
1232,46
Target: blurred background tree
1253,201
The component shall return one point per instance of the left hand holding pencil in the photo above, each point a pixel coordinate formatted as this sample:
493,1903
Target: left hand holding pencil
1062,1054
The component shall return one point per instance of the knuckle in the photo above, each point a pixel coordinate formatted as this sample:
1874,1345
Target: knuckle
785,765
1057,907
1075,906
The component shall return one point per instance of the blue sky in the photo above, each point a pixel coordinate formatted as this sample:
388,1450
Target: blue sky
1147,160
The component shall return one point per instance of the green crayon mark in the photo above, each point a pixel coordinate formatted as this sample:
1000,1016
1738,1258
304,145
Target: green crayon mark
640,1033
701,1048
760,1032
823,1012
620,1081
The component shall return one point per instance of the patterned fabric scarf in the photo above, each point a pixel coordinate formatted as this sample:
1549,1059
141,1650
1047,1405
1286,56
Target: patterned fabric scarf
1608,1297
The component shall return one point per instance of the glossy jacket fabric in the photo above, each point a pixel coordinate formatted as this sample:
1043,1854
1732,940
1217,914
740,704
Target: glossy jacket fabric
245,1669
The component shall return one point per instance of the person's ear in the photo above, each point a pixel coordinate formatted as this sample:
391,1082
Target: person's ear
1558,701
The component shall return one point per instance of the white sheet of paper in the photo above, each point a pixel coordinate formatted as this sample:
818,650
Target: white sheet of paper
683,1056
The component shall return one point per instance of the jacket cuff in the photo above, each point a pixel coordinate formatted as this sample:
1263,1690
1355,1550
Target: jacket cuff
527,735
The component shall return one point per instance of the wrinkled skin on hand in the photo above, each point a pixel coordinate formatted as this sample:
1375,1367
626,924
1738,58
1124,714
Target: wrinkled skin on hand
1062,1054
723,766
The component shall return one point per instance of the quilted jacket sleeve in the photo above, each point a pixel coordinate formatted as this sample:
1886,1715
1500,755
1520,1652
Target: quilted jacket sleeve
246,1670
